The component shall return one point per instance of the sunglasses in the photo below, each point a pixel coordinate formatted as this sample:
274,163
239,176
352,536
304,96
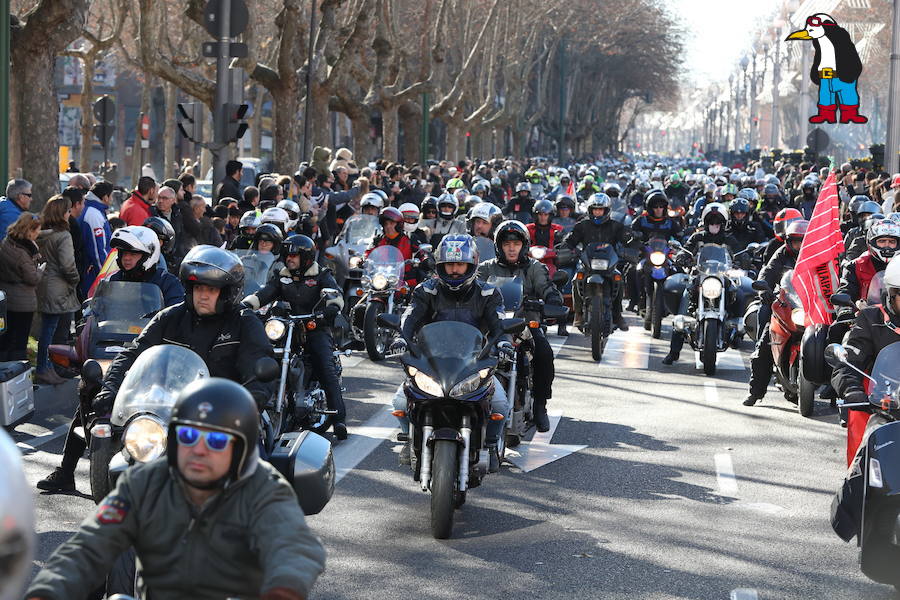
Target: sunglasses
24,194
216,441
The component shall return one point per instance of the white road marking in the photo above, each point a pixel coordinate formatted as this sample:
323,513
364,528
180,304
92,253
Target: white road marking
627,349
348,362
711,391
362,441
539,451
744,594
725,475
556,342
730,360
38,441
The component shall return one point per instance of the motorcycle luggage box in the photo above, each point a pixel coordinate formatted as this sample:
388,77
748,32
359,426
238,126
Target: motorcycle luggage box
673,288
16,392
306,461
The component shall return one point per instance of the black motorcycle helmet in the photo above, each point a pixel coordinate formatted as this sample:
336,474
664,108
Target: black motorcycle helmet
164,231
654,199
220,405
808,188
565,201
301,245
429,204
739,205
865,210
511,230
215,267
267,232
543,207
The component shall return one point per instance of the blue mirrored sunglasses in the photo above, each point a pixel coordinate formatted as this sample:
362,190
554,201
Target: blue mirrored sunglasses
216,441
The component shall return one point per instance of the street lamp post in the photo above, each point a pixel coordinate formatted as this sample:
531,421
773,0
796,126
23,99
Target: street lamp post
776,81
892,141
737,122
728,109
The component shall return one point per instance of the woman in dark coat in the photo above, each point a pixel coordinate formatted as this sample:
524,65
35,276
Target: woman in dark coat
19,277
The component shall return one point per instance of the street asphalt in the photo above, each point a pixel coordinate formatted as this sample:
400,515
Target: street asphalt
680,492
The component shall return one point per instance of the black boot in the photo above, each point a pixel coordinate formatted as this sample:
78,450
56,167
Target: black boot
751,399
340,430
541,419
674,348
620,323
58,481
561,330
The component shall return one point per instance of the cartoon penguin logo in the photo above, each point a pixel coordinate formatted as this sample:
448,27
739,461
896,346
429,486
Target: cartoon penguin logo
836,68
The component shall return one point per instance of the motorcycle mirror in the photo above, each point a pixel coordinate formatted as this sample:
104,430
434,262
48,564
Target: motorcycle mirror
330,292
513,326
266,369
389,320
92,372
426,248
560,278
835,355
675,244
842,299
752,246
761,286
552,311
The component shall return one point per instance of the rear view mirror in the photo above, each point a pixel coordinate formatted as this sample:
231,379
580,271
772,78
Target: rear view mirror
388,320
426,248
761,286
835,355
553,311
842,299
266,369
513,326
560,278
92,372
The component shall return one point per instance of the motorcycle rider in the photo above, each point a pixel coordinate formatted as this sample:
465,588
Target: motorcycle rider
543,231
392,234
713,223
247,226
783,218
806,200
874,328
740,226
882,241
511,247
599,227
228,339
656,222
210,492
165,233
371,204
446,222
761,361
411,214
866,209
860,244
17,539
456,295
301,283
520,205
565,212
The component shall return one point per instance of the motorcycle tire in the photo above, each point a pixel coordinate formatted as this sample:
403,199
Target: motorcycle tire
371,331
102,451
659,311
597,327
648,312
806,393
710,347
444,487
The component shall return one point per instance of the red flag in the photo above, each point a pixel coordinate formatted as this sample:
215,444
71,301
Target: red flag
570,190
816,274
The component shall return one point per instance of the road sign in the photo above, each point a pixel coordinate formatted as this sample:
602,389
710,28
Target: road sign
145,127
236,25
105,110
746,147
817,140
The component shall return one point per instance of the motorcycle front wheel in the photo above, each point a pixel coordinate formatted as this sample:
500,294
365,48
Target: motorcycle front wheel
658,311
444,487
372,334
806,393
710,346
597,327
102,451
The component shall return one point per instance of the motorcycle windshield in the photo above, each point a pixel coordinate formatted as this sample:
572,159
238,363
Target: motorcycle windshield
886,390
713,260
876,286
657,245
256,269
387,261
450,347
124,307
787,284
511,290
600,256
618,209
154,381
485,249
361,230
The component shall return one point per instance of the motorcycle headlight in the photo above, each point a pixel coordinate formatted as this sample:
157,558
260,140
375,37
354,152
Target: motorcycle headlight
657,259
798,316
355,261
275,329
427,384
145,439
599,264
711,288
538,253
467,385
379,281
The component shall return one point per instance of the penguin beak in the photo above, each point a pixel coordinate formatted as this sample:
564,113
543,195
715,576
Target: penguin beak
799,35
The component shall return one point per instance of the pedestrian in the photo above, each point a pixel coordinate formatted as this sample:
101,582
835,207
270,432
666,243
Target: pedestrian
230,187
136,209
18,199
207,231
250,199
95,232
168,208
19,276
57,288
76,197
190,226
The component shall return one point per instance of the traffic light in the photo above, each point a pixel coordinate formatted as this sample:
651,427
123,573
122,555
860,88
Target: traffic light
105,115
189,120
236,127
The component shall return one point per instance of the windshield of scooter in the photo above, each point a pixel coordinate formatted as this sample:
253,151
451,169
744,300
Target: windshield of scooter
154,381
384,267
618,209
511,290
886,389
125,306
361,230
713,260
257,266
787,284
876,286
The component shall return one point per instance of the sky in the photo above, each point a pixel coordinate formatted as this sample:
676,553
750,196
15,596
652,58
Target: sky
715,42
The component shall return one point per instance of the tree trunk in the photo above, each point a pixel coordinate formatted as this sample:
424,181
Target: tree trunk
286,128
89,64
170,156
412,132
360,139
256,121
320,134
389,132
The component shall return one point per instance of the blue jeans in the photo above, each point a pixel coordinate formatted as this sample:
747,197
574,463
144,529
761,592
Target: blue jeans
834,91
499,404
48,328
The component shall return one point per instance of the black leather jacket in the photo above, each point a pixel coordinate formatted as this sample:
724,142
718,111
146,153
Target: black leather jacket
229,344
780,263
302,292
609,231
479,306
869,334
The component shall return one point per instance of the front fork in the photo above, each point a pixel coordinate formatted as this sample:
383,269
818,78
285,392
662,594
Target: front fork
285,365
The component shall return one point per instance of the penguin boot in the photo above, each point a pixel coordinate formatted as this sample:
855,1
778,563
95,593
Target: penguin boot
849,114
827,114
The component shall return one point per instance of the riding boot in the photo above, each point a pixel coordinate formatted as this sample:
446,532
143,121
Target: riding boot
541,419
674,348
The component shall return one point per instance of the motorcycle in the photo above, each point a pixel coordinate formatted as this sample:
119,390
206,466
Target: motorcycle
515,374
115,315
137,429
786,330
868,505
448,389
655,269
598,279
300,402
346,256
723,291
384,291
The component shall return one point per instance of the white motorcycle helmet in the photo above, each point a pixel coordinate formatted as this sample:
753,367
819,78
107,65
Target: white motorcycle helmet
410,211
448,206
16,522
293,211
711,210
884,228
276,216
136,238
371,199
891,285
